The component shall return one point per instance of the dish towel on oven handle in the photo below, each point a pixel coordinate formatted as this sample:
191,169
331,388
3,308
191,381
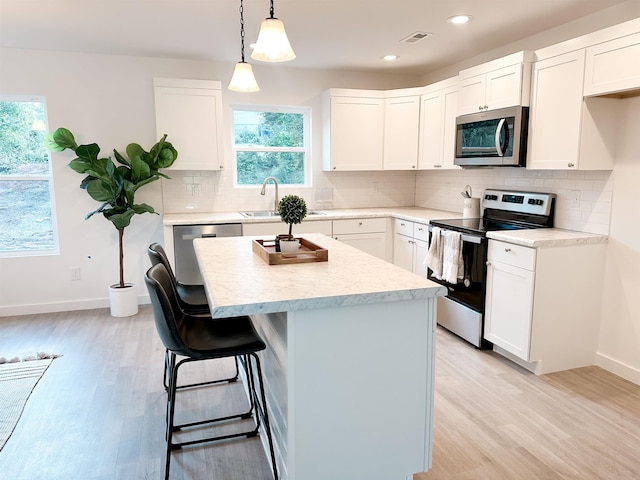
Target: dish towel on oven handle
452,262
434,257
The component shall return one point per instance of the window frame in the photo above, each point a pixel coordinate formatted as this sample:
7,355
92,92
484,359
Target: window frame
48,177
306,149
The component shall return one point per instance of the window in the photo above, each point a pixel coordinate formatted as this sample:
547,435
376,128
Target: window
27,222
271,142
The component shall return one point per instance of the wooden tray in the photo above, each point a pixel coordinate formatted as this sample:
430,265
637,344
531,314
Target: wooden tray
308,252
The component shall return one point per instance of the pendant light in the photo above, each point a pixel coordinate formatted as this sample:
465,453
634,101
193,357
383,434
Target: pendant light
243,79
272,44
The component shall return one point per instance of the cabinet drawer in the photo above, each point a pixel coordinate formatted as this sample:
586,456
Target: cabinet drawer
515,255
359,225
403,227
421,232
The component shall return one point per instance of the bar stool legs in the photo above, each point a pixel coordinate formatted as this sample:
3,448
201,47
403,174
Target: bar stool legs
257,407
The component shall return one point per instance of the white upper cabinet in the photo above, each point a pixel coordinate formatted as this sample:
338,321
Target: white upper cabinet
501,83
613,66
353,130
565,131
190,113
438,111
401,130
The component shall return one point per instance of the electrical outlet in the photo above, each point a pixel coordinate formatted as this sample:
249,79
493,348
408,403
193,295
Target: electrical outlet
574,198
75,273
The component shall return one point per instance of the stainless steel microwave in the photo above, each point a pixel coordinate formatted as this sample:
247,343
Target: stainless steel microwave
494,138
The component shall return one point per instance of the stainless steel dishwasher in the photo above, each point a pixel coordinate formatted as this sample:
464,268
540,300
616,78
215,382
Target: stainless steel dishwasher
186,265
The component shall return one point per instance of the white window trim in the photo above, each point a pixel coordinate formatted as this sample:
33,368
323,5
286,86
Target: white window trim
308,167
49,177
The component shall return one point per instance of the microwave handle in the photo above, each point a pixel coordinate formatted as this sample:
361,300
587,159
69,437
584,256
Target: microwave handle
498,145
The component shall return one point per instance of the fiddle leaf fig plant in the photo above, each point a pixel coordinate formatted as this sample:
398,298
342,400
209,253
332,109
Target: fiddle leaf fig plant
292,210
115,185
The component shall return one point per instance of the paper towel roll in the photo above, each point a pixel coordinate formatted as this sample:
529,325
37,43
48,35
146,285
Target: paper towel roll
471,208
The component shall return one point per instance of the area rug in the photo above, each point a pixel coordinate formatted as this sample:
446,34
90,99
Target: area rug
17,381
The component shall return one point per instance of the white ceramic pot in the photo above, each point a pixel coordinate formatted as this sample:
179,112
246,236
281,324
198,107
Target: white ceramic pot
289,245
123,301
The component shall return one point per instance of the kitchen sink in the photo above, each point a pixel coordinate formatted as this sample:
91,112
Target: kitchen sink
271,213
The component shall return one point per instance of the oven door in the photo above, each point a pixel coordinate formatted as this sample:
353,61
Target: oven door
470,291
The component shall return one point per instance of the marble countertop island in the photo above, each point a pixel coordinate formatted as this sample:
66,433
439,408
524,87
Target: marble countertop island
349,363
241,283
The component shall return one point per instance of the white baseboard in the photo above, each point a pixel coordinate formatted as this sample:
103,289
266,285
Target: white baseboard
63,306
616,367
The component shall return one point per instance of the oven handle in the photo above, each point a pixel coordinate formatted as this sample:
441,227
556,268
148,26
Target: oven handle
465,237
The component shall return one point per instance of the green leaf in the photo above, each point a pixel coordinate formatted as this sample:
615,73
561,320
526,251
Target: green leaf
63,138
88,152
79,165
135,151
120,220
100,191
50,143
121,158
143,208
141,170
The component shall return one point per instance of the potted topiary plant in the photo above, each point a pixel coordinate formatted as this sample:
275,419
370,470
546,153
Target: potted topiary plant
292,210
115,188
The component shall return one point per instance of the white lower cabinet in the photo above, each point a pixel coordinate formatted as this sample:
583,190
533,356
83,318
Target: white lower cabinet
410,246
366,234
509,301
543,304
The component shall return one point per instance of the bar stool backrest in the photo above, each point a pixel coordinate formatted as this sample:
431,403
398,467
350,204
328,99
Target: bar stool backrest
166,309
158,255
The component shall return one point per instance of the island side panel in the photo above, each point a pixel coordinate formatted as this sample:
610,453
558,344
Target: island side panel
360,388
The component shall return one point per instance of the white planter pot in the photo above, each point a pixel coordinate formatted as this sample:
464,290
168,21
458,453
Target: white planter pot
123,301
289,245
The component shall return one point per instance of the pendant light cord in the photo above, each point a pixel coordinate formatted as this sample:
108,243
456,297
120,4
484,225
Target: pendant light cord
242,31
271,8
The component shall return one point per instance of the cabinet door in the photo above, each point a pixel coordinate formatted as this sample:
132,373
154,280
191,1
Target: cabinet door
504,87
403,251
556,112
401,129
431,134
373,243
450,101
356,133
613,66
192,119
509,308
420,249
471,96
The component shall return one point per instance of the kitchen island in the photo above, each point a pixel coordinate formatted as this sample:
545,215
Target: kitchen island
349,365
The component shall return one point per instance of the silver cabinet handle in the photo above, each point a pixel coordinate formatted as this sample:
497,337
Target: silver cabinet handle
570,165
507,250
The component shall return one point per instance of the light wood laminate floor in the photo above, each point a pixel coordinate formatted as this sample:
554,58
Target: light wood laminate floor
98,412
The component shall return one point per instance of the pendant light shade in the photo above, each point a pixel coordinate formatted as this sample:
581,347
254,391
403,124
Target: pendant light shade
272,44
243,79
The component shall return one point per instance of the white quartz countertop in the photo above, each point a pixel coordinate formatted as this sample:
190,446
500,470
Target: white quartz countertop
240,282
546,237
415,214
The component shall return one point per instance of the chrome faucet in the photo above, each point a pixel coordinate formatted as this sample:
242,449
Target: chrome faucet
264,186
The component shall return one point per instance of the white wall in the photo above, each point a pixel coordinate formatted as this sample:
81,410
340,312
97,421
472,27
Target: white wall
619,347
109,100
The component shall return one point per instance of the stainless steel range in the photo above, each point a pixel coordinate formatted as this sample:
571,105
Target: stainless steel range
462,310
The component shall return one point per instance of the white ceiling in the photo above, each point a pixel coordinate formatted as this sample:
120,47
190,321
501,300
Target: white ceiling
335,34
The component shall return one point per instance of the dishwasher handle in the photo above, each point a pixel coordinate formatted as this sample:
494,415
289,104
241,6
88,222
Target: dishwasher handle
202,235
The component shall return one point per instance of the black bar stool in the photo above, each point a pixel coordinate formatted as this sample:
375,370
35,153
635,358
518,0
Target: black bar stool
203,338
192,300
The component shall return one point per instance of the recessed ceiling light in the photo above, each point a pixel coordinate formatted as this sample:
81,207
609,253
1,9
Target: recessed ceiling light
459,19
390,58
